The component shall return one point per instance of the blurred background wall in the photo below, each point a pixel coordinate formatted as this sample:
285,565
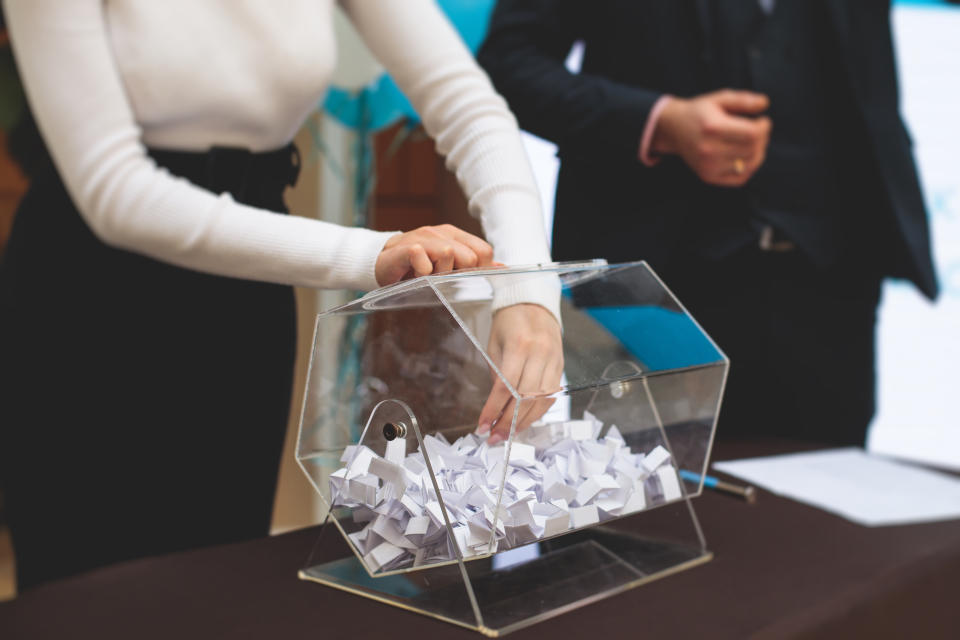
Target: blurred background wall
919,342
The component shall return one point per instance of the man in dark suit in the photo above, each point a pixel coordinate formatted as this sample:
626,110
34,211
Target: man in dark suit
753,152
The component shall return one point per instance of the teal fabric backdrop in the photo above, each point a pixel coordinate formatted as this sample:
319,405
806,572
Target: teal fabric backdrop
381,103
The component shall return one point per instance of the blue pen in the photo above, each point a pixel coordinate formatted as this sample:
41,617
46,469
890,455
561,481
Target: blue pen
748,493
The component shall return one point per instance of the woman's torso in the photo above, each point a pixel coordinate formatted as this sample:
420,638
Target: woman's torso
242,73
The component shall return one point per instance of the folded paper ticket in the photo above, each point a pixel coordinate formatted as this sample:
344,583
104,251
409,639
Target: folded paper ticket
556,477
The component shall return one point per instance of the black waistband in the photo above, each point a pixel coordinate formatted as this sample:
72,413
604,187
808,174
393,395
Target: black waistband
242,173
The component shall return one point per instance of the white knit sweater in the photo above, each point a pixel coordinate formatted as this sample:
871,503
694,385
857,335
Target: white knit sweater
107,77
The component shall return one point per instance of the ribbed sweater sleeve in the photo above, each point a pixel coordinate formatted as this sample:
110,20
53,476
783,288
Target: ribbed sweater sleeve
472,126
84,113
85,118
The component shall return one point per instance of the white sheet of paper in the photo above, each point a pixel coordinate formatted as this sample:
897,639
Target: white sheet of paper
546,472
417,526
594,485
359,538
360,463
388,530
557,489
389,472
411,506
436,514
414,465
855,485
522,455
670,483
580,429
363,490
396,451
336,480
521,481
584,516
383,554
609,506
556,523
613,434
655,458
636,502
590,466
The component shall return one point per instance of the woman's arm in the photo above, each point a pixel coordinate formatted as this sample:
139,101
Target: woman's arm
83,112
470,122
479,137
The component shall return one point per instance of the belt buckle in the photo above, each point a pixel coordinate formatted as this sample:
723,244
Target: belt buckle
767,243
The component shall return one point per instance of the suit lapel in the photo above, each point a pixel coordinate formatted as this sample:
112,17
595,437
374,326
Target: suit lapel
706,23
840,23
837,9
707,33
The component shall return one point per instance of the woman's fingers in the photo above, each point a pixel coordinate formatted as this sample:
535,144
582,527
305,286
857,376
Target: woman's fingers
393,264
480,248
419,261
445,260
526,345
547,383
531,382
445,248
500,403
467,249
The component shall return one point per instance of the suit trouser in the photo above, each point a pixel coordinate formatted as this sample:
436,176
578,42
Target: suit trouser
801,342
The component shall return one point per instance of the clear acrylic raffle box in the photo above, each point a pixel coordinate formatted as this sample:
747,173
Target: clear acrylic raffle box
590,500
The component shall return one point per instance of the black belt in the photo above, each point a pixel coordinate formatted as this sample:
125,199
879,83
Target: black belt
233,170
772,239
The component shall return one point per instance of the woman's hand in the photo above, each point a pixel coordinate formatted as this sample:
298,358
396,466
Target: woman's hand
526,345
430,250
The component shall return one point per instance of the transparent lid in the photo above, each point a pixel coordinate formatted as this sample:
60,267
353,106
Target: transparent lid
398,380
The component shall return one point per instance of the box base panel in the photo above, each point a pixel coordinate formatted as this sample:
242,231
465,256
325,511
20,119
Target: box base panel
520,587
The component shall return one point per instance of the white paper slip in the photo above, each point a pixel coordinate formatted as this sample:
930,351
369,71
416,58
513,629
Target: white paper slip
855,485
550,482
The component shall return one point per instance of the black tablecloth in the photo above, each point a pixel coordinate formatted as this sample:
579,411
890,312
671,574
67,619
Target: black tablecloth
781,569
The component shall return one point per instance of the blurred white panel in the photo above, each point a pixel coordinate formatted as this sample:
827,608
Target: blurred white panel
918,342
543,154
543,160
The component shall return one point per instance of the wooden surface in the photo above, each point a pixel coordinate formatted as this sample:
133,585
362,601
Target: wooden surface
780,570
413,187
12,186
7,577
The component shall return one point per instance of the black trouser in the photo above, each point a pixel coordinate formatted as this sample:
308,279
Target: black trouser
800,342
143,405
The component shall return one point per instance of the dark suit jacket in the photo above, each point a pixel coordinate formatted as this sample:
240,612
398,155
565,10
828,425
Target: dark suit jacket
610,205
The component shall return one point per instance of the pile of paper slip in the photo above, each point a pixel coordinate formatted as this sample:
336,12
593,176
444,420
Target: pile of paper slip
559,476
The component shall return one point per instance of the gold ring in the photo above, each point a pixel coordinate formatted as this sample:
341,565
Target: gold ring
738,166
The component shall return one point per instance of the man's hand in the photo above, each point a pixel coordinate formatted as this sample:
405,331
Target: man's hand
526,345
430,250
715,136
